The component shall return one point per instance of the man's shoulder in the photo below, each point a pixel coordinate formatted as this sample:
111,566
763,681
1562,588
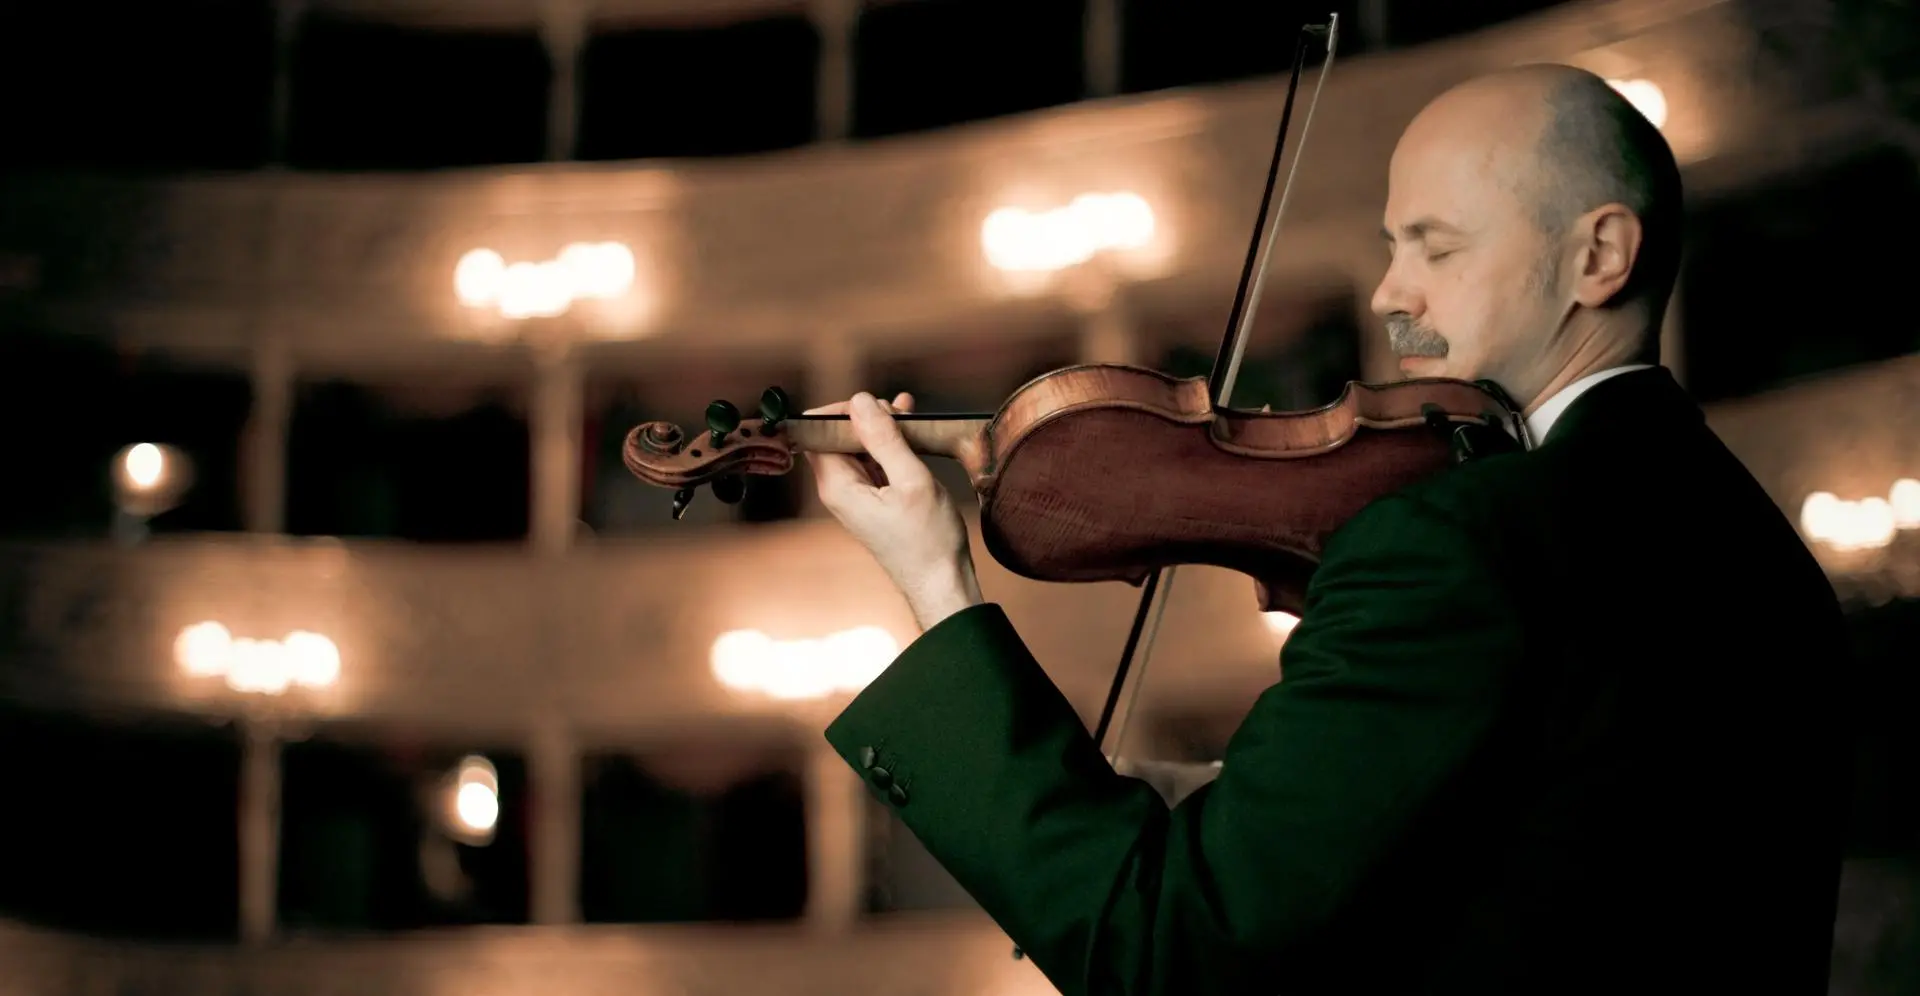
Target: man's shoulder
1490,511
1452,540
1474,495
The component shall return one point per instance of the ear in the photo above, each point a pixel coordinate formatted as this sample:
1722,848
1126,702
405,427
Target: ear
1612,236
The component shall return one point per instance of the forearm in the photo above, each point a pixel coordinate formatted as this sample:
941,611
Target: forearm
951,589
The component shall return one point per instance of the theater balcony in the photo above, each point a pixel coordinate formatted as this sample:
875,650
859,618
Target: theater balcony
578,636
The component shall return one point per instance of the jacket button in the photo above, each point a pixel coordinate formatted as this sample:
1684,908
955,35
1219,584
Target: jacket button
880,777
897,794
867,756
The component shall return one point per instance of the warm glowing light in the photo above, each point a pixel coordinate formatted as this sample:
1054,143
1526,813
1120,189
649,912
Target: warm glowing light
1280,623
477,277
1904,496
472,800
256,666
748,660
1646,97
203,649
312,660
598,270
145,465
1021,241
583,271
1864,524
150,478
478,807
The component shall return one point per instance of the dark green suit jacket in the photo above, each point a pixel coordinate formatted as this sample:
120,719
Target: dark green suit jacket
1552,722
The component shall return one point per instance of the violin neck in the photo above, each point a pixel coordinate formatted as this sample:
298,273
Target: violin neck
957,437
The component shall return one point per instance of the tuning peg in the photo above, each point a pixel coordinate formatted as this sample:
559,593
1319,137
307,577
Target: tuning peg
775,406
730,489
722,419
681,499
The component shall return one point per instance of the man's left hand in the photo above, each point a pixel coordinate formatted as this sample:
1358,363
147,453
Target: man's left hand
896,509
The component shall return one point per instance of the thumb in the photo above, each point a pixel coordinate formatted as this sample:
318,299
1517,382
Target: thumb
880,436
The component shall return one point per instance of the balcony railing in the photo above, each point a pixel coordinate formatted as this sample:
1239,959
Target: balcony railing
622,633
751,256
615,635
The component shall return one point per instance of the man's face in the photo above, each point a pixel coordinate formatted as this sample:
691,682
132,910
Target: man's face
1470,291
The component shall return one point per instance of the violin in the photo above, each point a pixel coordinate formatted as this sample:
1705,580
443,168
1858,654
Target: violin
1112,472
1058,470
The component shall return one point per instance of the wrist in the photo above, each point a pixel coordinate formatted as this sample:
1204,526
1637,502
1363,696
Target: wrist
938,596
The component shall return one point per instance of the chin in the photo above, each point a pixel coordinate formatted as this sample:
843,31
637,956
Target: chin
1424,366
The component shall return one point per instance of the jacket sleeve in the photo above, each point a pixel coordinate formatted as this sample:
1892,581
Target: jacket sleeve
1393,679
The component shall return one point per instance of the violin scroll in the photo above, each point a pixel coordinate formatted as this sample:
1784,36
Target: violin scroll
663,454
733,448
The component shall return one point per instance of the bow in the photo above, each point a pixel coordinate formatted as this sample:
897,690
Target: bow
1226,370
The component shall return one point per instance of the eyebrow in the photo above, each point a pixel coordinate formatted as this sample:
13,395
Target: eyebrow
1418,231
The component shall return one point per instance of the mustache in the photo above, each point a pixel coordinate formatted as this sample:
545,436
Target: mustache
1407,337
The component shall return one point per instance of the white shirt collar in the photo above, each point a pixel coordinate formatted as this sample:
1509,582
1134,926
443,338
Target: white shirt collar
1543,418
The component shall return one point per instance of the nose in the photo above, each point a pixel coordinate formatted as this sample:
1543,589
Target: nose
1393,296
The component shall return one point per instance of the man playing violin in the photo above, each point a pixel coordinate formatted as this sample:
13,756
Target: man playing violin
1559,720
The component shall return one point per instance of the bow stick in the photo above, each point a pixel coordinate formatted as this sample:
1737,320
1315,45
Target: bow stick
1226,370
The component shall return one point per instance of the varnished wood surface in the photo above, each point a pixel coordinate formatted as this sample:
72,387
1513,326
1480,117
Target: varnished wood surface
1106,472
665,454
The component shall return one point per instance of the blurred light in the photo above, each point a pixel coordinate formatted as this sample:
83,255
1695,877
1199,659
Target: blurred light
203,649
145,464
472,800
478,806
748,660
254,666
1646,97
150,478
1280,623
1904,496
582,271
476,278
1021,241
312,660
258,667
1864,524
599,270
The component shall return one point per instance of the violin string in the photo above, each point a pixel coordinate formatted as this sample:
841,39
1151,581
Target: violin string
904,417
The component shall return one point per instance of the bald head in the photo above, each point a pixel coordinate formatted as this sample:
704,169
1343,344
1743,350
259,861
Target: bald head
1597,148
1534,217
1577,145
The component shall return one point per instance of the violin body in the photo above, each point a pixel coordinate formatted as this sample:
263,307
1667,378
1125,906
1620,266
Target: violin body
1109,472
